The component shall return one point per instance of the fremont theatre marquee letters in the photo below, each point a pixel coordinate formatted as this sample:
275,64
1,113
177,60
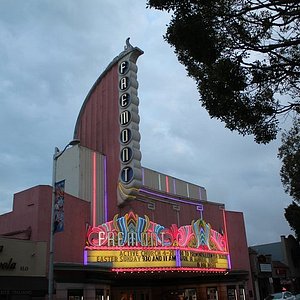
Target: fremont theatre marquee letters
130,177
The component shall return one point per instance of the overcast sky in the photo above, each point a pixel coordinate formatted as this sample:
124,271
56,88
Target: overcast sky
51,54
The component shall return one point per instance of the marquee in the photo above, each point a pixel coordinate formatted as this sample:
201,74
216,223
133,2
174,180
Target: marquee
134,243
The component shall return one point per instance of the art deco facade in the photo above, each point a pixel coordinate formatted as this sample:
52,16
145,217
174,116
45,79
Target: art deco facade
129,232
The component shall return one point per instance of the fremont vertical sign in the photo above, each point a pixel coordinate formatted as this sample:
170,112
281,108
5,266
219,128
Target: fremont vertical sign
130,178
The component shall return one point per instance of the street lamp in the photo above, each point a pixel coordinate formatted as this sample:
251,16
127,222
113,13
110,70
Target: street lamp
56,155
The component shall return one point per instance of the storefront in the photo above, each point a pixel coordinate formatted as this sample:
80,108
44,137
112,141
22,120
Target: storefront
22,269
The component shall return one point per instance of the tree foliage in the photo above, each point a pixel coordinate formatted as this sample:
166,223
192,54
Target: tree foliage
244,56
289,153
292,215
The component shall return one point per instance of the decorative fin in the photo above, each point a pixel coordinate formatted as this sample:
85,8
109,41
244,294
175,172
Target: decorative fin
128,45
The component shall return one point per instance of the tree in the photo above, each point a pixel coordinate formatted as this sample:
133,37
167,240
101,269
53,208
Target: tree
292,215
245,58
289,153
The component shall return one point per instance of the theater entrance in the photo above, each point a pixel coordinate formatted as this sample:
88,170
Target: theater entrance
154,293
180,294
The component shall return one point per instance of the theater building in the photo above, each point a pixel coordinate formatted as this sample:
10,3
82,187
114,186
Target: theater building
124,231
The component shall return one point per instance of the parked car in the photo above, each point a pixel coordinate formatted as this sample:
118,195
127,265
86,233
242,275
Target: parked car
281,296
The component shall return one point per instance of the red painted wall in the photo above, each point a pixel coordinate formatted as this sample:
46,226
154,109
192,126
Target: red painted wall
97,128
165,214
32,208
237,240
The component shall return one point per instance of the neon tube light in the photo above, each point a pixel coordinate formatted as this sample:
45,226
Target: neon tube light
201,270
168,197
94,187
85,257
178,261
132,242
167,184
135,231
105,190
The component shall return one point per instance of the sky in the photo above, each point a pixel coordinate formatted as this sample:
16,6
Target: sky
51,54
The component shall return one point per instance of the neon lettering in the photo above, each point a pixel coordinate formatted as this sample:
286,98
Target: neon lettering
125,117
125,135
110,239
101,237
126,174
121,241
123,67
126,154
124,100
124,83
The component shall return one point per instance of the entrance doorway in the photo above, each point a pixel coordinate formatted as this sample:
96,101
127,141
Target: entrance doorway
133,294
181,294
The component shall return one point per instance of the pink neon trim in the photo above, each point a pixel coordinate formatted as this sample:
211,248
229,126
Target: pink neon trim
167,185
152,270
105,190
94,188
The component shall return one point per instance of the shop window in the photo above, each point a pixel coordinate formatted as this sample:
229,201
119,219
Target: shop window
128,296
75,294
231,293
190,294
212,293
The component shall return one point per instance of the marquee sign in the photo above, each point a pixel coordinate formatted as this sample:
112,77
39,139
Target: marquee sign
133,243
130,178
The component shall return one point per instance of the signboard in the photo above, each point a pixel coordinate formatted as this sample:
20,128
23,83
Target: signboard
265,268
130,176
22,258
132,243
59,201
134,258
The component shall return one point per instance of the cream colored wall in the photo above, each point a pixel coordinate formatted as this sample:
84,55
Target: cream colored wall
157,181
22,258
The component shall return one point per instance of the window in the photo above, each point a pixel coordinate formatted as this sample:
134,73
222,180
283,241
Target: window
231,293
212,293
242,292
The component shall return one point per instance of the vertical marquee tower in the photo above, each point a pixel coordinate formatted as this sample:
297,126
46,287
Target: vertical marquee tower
108,123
